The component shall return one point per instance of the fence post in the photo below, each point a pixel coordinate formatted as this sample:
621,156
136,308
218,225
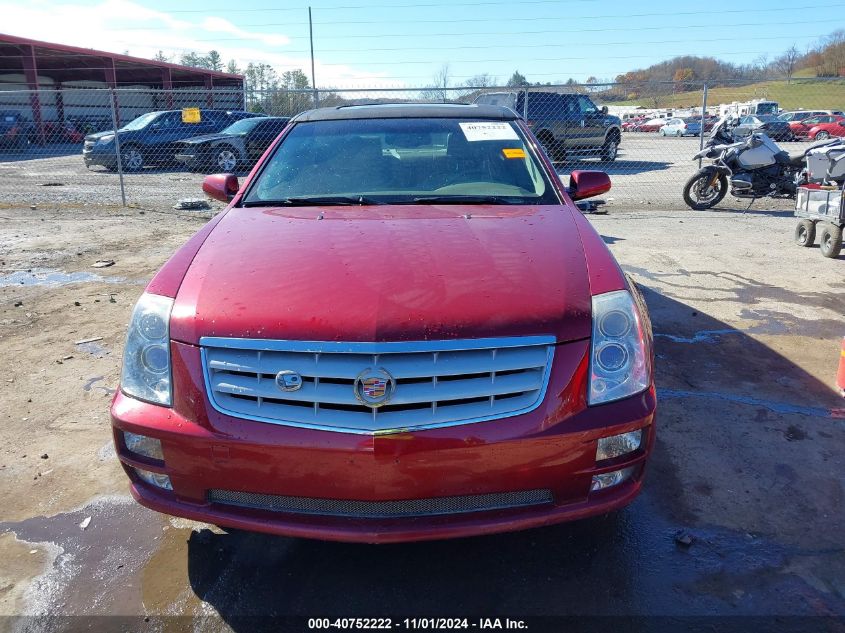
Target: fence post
316,98
703,112
112,101
525,105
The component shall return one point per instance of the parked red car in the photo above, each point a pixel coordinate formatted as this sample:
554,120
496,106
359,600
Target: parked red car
62,132
631,125
802,128
401,328
824,131
652,125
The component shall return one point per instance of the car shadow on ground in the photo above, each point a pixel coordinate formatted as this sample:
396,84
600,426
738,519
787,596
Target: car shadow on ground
711,447
620,167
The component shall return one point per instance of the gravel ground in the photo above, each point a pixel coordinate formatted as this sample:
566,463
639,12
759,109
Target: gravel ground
651,171
748,467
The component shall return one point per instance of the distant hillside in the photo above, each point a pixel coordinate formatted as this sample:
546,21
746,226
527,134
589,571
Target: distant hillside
825,94
688,72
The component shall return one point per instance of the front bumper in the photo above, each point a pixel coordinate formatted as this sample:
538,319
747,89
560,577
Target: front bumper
97,156
191,160
552,448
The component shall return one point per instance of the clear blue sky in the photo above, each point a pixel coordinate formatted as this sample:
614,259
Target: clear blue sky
361,42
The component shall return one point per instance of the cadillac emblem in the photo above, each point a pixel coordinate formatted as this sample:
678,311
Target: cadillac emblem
374,387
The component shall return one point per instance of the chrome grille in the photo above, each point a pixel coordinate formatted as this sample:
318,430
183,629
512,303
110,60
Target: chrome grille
382,509
437,383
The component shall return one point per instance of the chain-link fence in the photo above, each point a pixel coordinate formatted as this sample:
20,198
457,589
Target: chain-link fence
59,147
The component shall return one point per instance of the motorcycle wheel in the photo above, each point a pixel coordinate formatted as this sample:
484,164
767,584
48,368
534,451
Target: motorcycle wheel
699,196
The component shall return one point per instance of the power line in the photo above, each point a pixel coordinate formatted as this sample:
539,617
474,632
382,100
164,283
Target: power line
568,18
378,6
472,47
567,31
546,59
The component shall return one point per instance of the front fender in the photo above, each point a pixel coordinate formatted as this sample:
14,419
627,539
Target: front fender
719,169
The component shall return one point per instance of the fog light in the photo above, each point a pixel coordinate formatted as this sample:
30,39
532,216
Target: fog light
154,479
607,480
616,445
143,445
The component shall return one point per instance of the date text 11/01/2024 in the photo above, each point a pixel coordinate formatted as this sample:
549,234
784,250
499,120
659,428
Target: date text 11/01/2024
431,624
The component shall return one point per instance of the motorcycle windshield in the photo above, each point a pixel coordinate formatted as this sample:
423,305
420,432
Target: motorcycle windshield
720,127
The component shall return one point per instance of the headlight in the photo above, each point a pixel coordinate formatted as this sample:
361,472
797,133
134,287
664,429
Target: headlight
108,138
146,359
620,363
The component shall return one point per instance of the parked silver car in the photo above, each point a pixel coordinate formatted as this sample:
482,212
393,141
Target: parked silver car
681,127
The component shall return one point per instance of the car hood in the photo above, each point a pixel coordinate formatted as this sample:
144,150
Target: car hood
98,135
387,273
208,138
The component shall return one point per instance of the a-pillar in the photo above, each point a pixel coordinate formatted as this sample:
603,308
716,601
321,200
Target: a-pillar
30,71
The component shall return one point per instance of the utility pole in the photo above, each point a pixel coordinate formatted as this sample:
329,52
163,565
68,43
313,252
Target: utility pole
313,79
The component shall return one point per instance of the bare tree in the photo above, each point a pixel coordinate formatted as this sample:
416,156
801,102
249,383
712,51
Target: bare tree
833,54
785,64
760,66
439,90
485,80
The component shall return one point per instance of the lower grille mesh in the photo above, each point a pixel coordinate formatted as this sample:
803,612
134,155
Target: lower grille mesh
382,509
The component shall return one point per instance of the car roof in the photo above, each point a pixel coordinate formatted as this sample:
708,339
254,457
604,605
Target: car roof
216,110
408,111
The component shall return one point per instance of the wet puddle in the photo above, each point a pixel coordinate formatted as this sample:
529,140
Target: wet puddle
98,568
129,560
50,277
91,383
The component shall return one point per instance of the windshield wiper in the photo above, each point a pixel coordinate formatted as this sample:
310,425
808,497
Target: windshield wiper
314,201
468,199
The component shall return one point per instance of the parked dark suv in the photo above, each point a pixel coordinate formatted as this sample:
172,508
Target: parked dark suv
151,138
565,123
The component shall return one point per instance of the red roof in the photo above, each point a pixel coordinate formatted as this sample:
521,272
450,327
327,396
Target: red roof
71,63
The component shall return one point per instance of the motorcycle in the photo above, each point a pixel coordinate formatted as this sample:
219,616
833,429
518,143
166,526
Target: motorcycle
751,168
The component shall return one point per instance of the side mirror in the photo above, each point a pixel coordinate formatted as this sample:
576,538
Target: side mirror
604,109
222,187
586,184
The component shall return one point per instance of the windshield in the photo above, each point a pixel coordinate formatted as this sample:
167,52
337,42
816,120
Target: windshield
141,122
767,108
403,161
720,127
244,126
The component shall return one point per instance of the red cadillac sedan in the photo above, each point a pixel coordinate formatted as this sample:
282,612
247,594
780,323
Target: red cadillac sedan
401,328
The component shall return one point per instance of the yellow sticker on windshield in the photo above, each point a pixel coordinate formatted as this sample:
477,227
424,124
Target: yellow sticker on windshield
191,115
514,152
